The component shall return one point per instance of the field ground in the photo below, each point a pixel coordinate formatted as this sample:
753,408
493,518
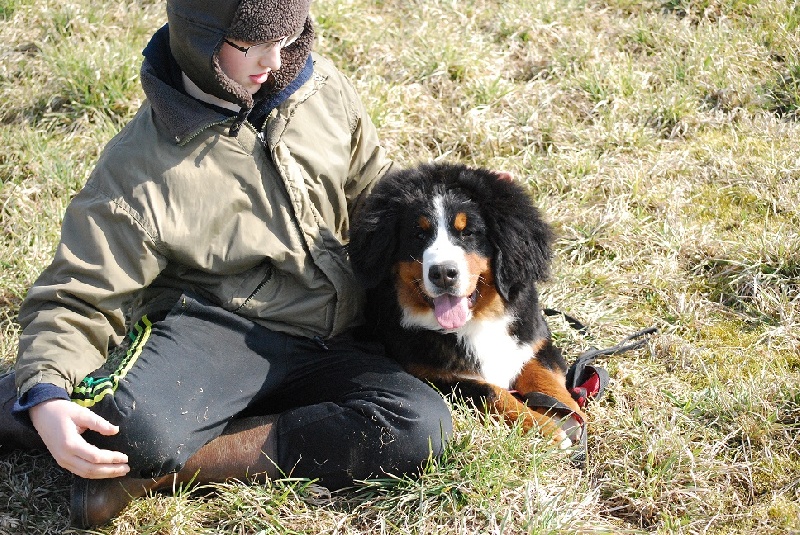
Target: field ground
660,138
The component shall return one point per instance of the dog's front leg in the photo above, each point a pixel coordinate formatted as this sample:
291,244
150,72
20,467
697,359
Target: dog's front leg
499,402
507,404
544,390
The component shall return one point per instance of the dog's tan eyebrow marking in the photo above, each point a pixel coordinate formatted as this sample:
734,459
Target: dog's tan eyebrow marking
424,223
460,221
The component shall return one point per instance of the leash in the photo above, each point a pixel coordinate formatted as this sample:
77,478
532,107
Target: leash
573,322
586,381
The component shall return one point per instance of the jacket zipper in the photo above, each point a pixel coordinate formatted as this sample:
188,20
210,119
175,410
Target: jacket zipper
261,284
189,137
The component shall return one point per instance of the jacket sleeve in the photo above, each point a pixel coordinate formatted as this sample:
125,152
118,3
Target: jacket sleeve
368,159
75,309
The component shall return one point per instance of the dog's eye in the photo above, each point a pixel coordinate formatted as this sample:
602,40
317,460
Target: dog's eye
421,235
466,233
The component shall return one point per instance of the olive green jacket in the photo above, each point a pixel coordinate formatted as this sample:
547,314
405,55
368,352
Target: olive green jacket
177,205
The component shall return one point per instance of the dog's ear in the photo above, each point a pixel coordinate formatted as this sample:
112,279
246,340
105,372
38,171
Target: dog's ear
373,238
521,238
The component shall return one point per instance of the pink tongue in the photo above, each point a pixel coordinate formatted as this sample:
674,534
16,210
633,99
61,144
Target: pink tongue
451,311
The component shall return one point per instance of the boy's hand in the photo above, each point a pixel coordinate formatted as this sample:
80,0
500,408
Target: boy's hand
60,423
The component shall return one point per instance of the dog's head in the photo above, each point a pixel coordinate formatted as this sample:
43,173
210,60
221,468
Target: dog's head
453,239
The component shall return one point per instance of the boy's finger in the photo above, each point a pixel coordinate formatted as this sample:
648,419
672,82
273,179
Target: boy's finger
504,175
89,470
92,454
88,420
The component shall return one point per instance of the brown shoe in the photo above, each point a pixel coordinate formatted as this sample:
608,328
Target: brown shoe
13,434
244,452
93,502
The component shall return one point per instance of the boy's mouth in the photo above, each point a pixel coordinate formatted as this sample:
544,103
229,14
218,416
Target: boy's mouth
260,78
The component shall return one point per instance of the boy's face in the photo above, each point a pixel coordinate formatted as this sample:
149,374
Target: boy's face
250,69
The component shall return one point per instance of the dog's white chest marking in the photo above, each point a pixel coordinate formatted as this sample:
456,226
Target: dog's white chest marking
500,356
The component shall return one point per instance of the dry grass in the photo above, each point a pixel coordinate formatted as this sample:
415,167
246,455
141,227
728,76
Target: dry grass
661,140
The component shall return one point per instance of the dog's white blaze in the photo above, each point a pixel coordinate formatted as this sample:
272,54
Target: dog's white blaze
501,357
442,249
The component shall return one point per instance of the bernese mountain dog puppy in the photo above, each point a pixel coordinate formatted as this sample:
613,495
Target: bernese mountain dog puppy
450,256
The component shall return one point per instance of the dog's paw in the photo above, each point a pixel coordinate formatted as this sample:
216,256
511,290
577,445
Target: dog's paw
559,439
568,433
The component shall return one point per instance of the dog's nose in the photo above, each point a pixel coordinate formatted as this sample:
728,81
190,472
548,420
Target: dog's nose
443,275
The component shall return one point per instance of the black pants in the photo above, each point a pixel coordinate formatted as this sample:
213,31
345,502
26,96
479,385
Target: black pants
346,411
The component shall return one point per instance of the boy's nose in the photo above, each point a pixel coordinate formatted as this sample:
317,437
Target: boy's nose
271,58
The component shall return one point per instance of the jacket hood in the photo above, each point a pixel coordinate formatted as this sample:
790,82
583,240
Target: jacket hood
197,29
183,115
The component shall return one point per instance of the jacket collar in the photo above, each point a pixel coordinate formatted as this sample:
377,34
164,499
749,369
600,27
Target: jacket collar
161,78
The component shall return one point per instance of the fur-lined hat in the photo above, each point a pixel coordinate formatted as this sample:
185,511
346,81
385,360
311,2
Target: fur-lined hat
197,29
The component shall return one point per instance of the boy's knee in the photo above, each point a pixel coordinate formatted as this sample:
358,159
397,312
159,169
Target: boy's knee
431,426
153,446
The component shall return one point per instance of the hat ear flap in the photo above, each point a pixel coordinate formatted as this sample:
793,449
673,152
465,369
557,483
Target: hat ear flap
373,241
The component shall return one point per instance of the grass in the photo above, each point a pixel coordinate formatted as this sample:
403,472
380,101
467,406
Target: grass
658,137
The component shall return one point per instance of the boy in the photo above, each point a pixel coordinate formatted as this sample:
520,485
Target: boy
212,230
